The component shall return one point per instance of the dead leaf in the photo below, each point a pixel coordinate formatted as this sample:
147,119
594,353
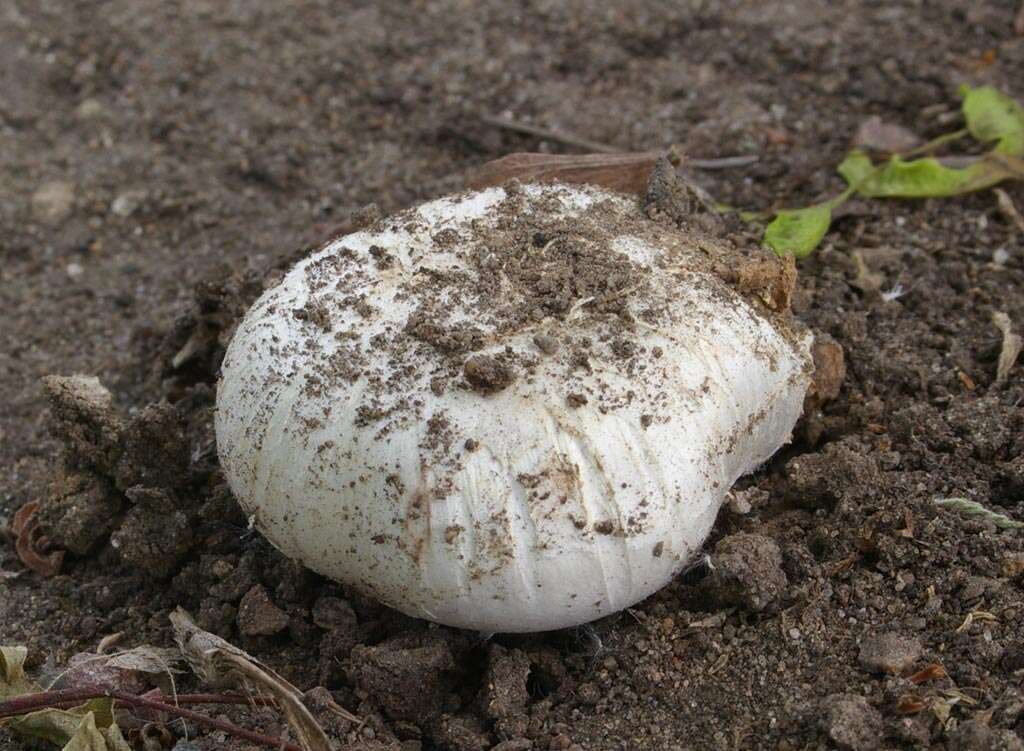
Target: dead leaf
1011,348
1008,209
223,665
108,641
89,727
26,530
890,138
1018,22
909,704
941,709
932,672
626,173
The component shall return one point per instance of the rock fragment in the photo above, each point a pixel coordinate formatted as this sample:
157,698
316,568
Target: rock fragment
889,653
851,722
258,615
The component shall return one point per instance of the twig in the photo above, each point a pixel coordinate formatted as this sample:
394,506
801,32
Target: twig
61,699
549,135
727,162
724,162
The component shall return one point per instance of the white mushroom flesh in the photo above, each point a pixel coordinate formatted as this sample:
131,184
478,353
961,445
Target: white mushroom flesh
509,410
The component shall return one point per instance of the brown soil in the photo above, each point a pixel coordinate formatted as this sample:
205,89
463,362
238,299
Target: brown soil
163,161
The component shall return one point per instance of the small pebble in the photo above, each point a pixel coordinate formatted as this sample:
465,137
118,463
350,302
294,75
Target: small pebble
89,109
127,203
889,653
53,202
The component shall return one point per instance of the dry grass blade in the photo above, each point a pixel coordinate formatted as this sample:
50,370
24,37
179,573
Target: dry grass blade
627,173
1011,348
224,665
146,659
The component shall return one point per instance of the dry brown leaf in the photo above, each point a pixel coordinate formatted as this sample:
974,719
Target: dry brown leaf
930,672
1011,348
1018,22
909,704
626,173
890,138
223,665
26,531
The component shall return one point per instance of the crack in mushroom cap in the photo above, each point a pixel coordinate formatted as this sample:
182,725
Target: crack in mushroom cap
516,409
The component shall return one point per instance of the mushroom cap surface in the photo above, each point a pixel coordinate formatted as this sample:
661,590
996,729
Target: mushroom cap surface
511,410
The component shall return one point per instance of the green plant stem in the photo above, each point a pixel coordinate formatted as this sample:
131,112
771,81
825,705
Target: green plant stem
935,144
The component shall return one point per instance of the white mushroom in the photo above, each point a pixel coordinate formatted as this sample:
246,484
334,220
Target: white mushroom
509,410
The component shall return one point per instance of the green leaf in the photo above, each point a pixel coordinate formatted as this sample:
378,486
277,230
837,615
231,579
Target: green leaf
856,168
798,231
993,116
925,178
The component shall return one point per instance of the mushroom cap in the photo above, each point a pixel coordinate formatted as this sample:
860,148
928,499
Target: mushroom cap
511,410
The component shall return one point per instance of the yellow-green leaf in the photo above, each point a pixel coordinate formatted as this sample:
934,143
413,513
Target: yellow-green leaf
12,664
924,178
54,725
62,726
856,168
993,116
798,231
87,737
12,673
89,727
91,736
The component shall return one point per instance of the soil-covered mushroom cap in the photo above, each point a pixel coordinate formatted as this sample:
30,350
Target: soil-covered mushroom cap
516,409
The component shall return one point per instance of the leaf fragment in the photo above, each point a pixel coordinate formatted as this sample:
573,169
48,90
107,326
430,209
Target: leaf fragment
921,178
1011,347
12,670
1009,210
90,737
931,672
797,232
993,116
968,507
